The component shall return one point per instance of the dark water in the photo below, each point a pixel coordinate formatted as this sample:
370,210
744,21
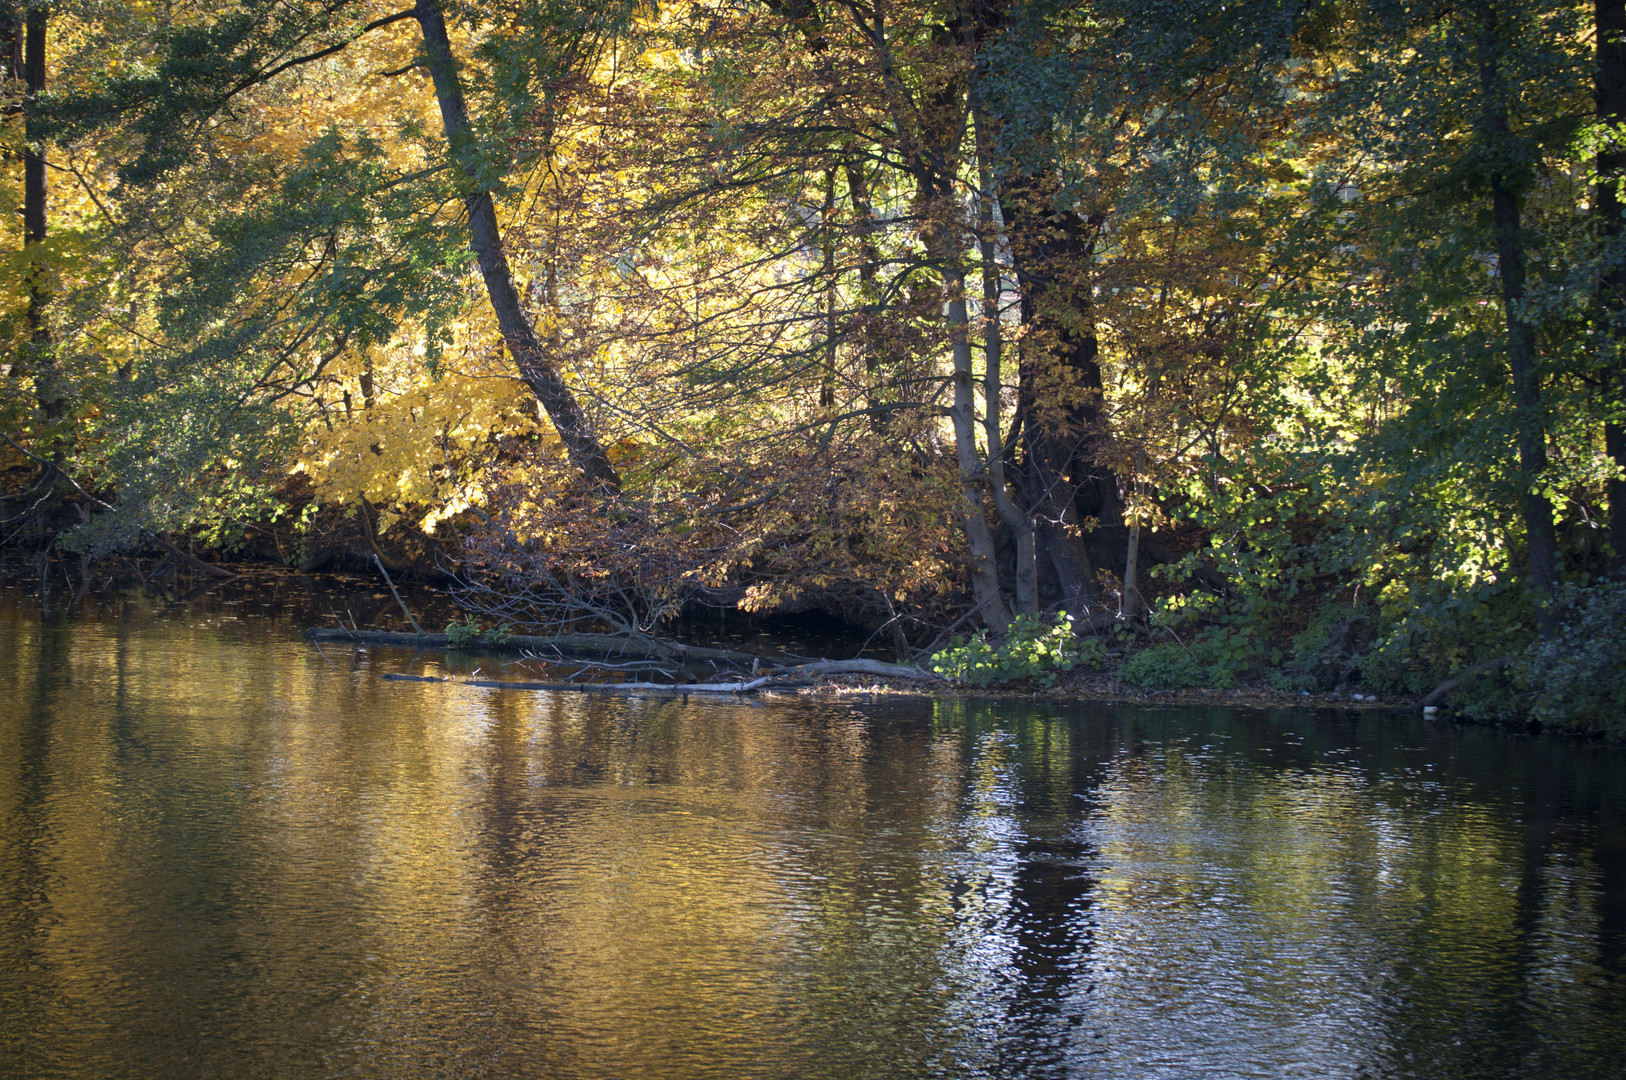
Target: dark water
223,854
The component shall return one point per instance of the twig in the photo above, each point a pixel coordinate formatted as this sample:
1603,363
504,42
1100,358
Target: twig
600,665
945,635
395,594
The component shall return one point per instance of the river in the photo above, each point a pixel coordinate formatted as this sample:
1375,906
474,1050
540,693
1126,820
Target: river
224,853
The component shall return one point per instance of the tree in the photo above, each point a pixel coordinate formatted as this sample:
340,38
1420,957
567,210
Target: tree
313,248
1609,30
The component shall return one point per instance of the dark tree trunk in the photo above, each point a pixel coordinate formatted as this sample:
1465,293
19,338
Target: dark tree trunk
11,43
33,156
873,342
536,367
827,239
1611,104
41,358
1059,388
1541,537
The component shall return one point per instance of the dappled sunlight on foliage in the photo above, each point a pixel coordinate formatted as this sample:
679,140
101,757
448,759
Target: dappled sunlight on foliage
1273,347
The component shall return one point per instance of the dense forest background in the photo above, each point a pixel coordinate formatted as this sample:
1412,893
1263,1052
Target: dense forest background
1205,343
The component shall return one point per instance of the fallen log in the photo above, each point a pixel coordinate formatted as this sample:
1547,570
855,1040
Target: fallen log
780,669
860,667
593,688
567,644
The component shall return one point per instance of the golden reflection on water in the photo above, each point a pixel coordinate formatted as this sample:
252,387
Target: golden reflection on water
224,854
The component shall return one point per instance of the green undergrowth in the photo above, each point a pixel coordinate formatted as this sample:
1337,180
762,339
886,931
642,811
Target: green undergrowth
1573,679
1034,648
469,633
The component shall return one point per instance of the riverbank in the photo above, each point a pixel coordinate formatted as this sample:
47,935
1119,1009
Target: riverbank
807,675
336,606
1091,687
1103,688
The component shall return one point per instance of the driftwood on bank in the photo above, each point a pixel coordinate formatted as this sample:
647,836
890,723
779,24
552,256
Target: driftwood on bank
860,667
567,644
764,672
595,688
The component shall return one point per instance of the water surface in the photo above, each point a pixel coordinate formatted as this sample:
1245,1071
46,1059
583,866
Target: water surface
225,854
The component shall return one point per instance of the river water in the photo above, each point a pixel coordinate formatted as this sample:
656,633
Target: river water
224,853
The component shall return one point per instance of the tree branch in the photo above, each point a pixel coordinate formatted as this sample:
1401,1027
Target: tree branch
264,76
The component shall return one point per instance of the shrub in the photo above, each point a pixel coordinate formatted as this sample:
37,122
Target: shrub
1168,666
462,635
1576,677
1032,649
1423,644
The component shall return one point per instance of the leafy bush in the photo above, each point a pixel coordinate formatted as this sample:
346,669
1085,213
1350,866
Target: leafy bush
1164,667
1437,636
468,633
463,635
1328,652
1032,649
1576,677
1220,656
1288,679
1217,657
1392,668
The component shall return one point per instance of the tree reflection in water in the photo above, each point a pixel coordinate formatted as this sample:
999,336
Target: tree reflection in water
222,855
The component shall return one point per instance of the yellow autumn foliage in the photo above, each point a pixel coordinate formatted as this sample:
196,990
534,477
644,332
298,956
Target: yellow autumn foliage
425,441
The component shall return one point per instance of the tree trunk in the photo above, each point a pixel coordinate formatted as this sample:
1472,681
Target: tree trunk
827,239
1016,520
41,355
1611,105
1059,388
536,368
984,561
873,344
1133,605
11,42
1541,537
